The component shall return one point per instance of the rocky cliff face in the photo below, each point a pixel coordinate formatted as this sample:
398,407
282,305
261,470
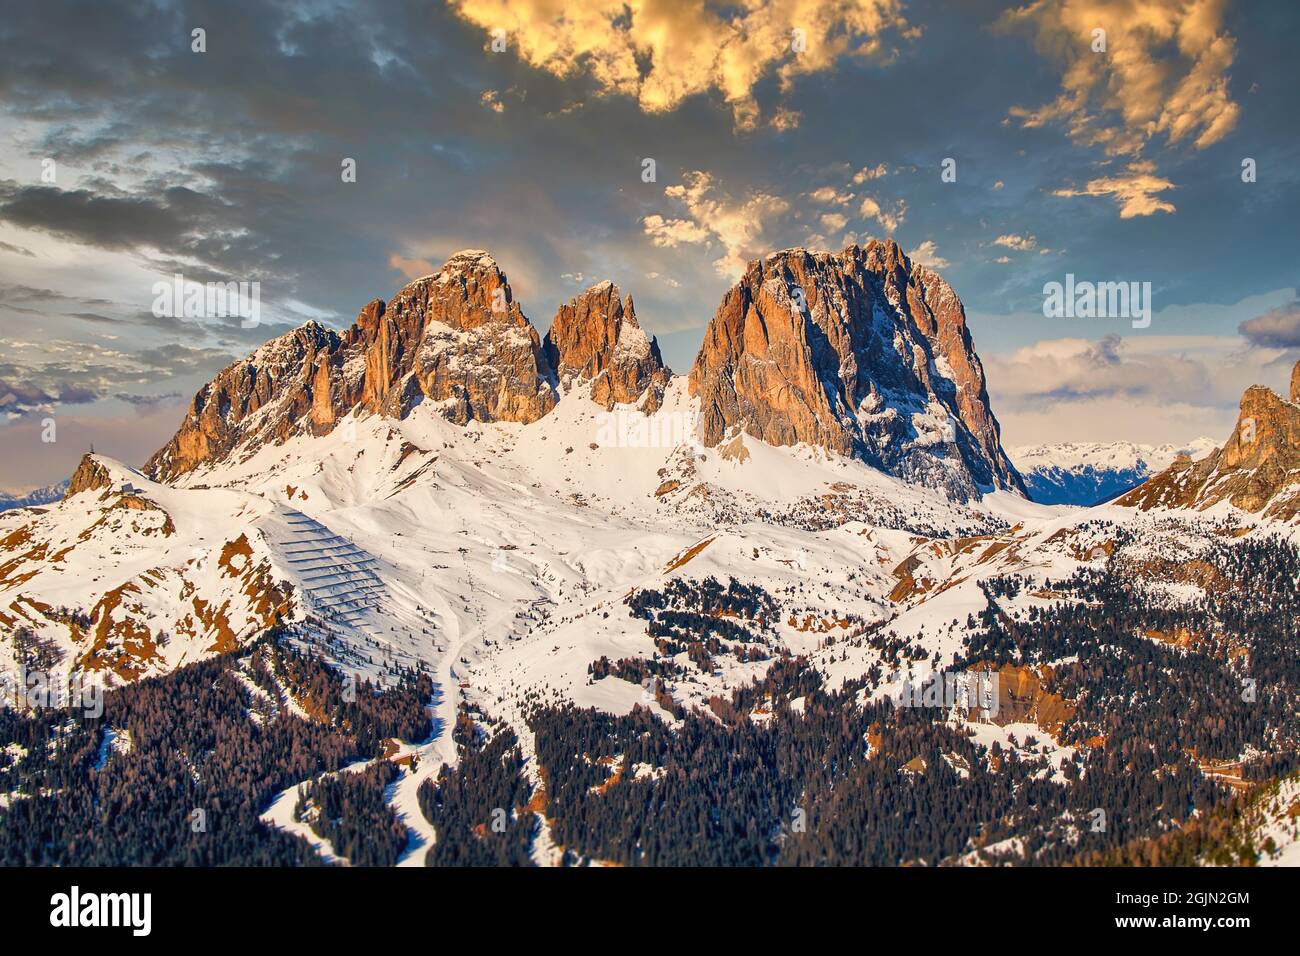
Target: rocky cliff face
289,385
596,338
90,475
457,340
860,353
1257,469
460,340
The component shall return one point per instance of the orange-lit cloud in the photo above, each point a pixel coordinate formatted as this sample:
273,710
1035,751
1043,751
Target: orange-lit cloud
1163,72
662,52
1135,189
713,218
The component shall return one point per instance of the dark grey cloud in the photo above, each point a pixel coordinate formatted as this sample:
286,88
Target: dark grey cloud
182,359
178,219
1276,329
18,292
21,397
94,317
149,401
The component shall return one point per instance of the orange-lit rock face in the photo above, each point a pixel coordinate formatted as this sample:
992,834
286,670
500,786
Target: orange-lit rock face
1256,470
280,389
858,353
596,338
89,475
457,338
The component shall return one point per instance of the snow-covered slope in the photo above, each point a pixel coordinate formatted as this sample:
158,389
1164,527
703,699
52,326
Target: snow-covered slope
502,557
1087,473
514,558
501,553
131,578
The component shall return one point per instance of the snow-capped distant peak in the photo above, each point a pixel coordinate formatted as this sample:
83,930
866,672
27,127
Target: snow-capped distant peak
1085,473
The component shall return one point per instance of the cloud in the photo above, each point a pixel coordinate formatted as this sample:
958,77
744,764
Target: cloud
833,221
17,292
109,222
17,398
674,232
94,317
411,268
1019,243
889,219
1064,369
927,254
1135,190
75,373
868,173
149,401
1276,329
1163,72
714,218
661,53
1151,389
830,196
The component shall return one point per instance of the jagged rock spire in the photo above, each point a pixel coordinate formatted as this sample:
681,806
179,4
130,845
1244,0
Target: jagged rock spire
859,353
596,338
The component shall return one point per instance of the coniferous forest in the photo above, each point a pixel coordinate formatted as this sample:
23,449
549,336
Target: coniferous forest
179,769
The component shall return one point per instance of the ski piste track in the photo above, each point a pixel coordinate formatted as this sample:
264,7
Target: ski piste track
338,576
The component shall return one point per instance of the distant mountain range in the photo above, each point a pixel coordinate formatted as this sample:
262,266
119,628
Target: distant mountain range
1089,473
40,496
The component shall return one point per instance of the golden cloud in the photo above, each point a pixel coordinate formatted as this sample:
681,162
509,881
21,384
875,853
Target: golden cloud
1164,71
889,219
1017,242
1135,190
927,254
715,218
662,52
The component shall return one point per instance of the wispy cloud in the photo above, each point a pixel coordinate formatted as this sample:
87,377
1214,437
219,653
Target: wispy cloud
714,218
1136,190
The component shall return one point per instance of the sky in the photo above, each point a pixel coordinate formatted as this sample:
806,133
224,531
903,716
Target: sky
1005,145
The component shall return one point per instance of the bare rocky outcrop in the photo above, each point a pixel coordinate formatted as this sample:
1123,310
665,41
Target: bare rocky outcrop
460,340
90,475
1257,469
596,338
289,385
859,353
456,338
